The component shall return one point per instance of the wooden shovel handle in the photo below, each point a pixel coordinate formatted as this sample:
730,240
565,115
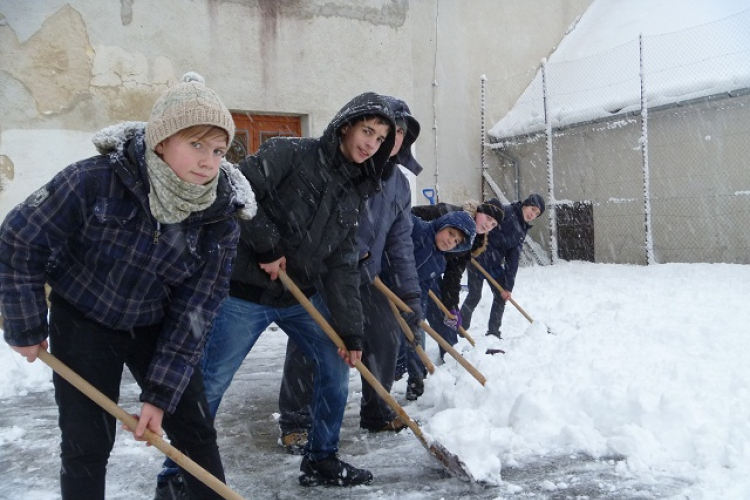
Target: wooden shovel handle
435,335
499,288
368,376
445,311
113,409
412,340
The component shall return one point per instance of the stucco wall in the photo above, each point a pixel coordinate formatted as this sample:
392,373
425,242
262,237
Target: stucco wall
68,68
78,65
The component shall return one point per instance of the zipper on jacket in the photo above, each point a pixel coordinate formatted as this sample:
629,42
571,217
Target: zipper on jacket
157,232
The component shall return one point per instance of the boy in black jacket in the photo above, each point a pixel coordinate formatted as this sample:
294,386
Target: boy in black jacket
384,235
310,192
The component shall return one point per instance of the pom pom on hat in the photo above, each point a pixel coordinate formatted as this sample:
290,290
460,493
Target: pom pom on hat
184,105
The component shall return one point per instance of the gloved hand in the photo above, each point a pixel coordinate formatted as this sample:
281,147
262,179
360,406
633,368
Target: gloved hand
455,322
414,318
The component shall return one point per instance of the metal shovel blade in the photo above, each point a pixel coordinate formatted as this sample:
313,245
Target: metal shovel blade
454,465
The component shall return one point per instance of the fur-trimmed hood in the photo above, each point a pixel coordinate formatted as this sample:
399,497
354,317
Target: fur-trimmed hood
112,139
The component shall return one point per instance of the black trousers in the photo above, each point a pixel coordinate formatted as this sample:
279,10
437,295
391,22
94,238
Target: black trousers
381,344
98,354
476,282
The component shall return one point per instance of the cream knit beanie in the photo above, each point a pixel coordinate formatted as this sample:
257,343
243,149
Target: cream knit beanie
186,104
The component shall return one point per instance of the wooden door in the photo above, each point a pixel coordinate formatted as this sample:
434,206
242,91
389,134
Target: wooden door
254,130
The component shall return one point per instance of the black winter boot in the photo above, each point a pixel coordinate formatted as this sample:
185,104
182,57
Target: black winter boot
172,488
332,471
414,388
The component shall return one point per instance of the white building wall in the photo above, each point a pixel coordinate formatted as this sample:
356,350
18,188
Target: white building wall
70,67
454,43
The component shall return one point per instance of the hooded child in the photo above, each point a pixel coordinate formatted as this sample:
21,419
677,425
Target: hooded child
384,233
486,216
435,243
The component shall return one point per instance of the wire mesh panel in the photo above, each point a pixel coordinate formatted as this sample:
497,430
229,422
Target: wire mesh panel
668,183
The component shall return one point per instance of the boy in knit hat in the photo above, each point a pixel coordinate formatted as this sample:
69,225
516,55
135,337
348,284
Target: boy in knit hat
136,245
500,260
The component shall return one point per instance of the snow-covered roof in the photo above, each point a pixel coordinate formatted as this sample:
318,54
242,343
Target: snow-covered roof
690,50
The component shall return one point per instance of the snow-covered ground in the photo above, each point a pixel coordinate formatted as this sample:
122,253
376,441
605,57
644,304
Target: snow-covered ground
643,391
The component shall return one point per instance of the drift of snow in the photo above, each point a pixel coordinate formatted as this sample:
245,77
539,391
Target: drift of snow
646,368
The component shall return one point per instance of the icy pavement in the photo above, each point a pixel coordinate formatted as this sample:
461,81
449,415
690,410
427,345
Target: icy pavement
257,468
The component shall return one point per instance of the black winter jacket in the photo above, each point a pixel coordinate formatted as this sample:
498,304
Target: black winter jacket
309,199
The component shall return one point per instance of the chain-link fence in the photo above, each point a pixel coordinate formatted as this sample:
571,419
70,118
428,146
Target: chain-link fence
642,151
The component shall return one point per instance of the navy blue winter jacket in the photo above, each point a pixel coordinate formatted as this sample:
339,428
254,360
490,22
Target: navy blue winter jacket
389,208
429,260
503,251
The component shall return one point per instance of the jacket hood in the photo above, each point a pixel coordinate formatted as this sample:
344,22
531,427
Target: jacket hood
112,139
401,111
462,221
365,104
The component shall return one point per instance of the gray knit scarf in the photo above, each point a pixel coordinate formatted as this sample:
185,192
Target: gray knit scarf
172,199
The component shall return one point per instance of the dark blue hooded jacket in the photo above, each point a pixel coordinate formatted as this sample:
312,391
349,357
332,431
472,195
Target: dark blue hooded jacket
503,251
385,222
429,260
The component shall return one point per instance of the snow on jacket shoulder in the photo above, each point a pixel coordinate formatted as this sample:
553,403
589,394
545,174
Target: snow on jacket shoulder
90,235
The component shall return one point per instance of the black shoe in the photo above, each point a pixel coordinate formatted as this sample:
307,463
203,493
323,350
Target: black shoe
171,488
414,388
332,471
494,334
396,425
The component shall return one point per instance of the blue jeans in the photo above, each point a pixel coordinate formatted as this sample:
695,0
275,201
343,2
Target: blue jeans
235,331
381,343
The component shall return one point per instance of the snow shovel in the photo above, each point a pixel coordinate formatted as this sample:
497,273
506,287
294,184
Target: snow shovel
113,409
435,335
445,311
412,340
501,290
452,463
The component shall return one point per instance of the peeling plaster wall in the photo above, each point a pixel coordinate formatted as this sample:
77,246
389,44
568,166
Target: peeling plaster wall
72,67
68,68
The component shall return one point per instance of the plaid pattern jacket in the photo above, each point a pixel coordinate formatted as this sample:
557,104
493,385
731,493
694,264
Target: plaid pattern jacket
90,235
